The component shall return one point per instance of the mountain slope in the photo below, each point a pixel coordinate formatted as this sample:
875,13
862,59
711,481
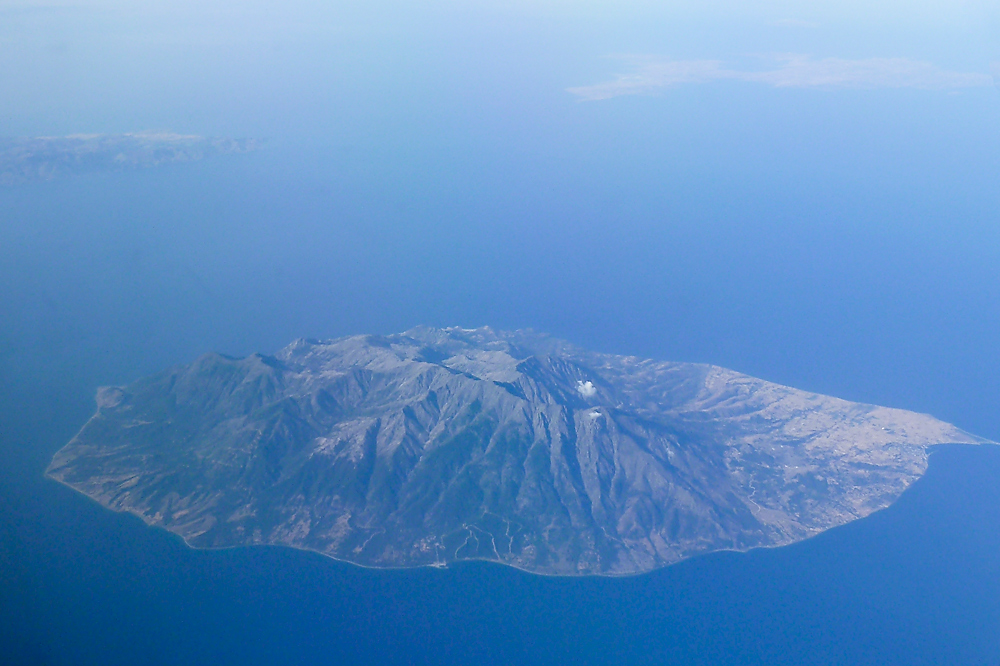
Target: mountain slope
440,445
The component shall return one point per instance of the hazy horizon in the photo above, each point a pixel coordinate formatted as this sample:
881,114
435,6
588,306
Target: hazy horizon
803,192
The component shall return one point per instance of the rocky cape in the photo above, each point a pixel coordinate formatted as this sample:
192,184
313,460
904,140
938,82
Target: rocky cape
434,446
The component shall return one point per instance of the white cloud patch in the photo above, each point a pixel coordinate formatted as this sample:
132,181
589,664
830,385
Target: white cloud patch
650,75
586,389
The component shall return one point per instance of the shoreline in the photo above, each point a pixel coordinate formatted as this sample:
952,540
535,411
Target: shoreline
448,565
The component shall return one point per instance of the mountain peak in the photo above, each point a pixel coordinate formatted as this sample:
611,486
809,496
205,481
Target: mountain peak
438,445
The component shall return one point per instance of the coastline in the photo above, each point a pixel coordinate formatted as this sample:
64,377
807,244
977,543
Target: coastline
447,565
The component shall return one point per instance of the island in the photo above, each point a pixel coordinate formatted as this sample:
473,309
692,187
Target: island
48,157
435,446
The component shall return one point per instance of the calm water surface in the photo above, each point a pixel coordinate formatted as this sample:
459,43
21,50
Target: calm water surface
110,277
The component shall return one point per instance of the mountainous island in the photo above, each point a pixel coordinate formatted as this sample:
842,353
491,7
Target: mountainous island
48,157
439,445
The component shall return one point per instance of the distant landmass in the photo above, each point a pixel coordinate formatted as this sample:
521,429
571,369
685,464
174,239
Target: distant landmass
48,157
439,445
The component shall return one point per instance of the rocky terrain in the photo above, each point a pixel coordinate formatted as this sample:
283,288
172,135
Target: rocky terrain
48,157
434,446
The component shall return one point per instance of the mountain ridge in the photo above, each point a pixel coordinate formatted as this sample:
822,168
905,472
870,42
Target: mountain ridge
440,445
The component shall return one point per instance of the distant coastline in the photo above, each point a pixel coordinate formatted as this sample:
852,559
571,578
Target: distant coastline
28,159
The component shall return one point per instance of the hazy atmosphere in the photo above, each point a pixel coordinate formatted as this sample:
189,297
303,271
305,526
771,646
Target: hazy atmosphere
803,192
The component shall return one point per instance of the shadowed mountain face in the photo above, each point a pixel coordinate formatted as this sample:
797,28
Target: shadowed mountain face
440,445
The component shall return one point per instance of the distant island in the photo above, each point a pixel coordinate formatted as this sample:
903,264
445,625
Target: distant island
48,157
440,445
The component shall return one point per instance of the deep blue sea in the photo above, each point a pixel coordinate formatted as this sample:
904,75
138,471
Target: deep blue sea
882,289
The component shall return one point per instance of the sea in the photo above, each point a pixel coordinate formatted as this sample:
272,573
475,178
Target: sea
872,284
